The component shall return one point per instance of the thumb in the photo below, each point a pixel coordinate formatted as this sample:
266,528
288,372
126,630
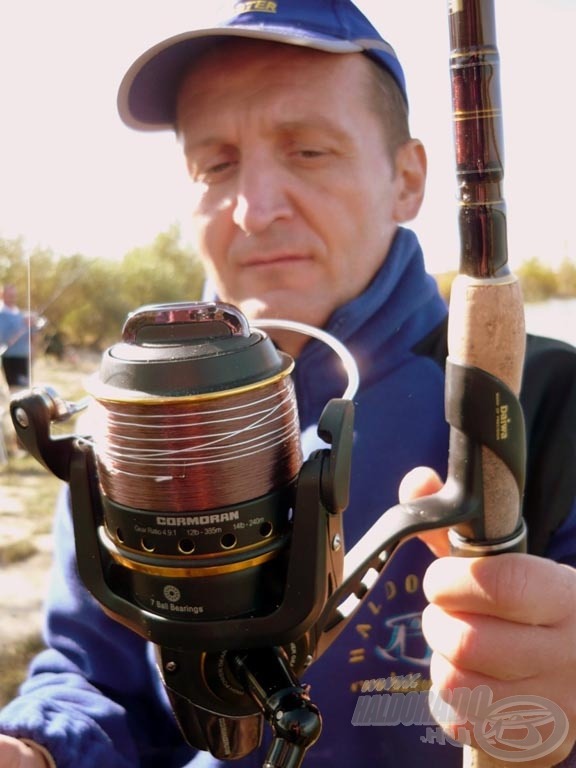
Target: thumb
423,481
16,754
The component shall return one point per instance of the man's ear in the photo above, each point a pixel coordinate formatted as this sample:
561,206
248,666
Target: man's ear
410,165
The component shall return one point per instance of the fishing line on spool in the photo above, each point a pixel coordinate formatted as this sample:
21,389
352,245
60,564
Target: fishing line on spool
206,451
199,453
119,436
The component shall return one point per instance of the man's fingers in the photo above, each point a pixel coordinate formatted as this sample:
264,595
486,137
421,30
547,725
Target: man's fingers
423,481
16,754
515,587
481,644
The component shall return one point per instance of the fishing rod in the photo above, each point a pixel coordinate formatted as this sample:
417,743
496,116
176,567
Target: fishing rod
486,322
486,319
35,319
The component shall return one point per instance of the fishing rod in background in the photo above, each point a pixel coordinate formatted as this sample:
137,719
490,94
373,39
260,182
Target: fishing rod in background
200,526
35,320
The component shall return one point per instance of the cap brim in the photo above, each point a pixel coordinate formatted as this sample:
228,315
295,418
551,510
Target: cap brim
147,93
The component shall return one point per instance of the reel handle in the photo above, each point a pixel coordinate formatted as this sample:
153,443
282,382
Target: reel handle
266,675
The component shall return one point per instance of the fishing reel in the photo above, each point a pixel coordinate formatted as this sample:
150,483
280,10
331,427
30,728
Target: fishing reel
199,525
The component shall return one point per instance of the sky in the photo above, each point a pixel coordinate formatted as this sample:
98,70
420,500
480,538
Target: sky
74,179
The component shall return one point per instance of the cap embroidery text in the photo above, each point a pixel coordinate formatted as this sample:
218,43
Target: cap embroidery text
256,5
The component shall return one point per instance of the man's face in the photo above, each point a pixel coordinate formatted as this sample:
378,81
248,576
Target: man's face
297,198
9,295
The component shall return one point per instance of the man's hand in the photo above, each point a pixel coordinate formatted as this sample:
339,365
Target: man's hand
16,754
507,622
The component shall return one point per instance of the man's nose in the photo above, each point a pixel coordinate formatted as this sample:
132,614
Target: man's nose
262,197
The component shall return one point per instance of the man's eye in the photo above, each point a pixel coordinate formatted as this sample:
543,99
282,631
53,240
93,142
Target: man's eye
211,171
310,153
219,167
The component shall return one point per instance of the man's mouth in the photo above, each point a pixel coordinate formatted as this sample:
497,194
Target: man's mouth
275,259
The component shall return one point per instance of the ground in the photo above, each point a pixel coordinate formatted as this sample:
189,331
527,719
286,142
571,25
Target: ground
27,497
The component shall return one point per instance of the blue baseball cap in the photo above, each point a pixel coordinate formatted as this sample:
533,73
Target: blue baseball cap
147,94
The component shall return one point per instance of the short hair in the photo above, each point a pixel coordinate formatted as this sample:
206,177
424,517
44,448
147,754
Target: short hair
387,101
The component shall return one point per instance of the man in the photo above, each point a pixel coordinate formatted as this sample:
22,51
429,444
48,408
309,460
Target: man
303,172
14,341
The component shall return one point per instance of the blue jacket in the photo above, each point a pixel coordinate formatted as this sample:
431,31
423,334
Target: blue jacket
94,697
